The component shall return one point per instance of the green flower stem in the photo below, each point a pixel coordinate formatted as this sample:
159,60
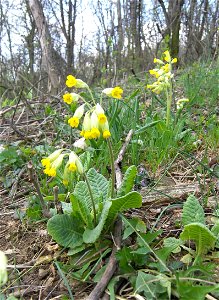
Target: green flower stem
92,97
92,199
112,166
88,104
168,107
169,95
101,98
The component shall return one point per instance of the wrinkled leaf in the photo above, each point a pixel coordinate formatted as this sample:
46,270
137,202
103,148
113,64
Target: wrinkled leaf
201,235
66,230
192,211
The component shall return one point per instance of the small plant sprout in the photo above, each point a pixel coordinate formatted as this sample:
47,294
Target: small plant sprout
180,103
163,73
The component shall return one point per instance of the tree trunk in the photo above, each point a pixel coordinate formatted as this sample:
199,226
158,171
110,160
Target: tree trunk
175,26
49,55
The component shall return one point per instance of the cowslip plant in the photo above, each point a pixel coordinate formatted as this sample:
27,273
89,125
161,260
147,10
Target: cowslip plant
164,75
158,272
94,201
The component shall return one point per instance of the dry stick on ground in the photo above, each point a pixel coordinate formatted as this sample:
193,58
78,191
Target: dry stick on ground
117,235
34,180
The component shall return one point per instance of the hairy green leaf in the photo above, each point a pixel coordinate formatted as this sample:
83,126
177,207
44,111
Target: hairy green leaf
99,185
144,283
173,244
66,230
131,200
192,211
81,192
201,235
128,181
81,206
91,235
187,291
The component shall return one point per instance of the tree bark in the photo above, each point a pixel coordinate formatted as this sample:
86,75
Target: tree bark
49,55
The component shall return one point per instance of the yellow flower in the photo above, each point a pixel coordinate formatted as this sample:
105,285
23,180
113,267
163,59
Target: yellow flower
86,127
117,92
73,122
102,118
106,134
167,57
95,133
166,68
88,135
156,72
174,61
158,61
100,114
72,167
78,83
74,163
46,162
65,182
50,172
67,98
71,81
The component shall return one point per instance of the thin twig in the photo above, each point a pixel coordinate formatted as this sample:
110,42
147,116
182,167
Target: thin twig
120,158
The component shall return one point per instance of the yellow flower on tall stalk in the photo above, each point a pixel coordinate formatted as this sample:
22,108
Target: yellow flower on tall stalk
74,121
115,92
163,75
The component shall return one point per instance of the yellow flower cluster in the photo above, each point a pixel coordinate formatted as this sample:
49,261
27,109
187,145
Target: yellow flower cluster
54,161
163,74
95,124
95,121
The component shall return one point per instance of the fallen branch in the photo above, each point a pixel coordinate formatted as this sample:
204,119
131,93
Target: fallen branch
168,194
117,234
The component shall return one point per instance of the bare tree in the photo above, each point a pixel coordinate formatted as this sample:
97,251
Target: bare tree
173,21
50,58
